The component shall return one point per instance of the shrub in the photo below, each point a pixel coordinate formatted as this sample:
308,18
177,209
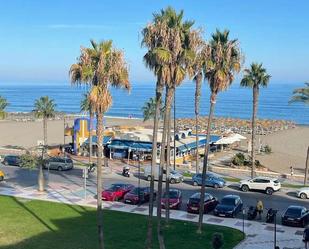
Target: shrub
248,162
28,161
217,241
239,159
267,149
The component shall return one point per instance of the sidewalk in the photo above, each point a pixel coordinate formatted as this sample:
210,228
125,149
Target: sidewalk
258,235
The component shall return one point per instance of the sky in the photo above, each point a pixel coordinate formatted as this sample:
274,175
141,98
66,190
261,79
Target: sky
39,40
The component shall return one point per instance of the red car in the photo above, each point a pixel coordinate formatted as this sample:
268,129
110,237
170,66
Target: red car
193,204
138,195
174,199
116,191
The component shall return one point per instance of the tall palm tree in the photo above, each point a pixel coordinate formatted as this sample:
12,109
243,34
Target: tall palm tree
149,110
154,39
223,61
101,66
44,107
167,41
85,106
196,70
255,77
3,105
301,95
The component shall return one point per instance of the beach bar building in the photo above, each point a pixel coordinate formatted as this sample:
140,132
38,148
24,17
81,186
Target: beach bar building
122,142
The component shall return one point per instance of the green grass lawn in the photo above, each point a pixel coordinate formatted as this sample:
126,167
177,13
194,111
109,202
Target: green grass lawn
290,185
27,224
231,179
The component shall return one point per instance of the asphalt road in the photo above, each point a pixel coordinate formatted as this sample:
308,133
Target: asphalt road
27,178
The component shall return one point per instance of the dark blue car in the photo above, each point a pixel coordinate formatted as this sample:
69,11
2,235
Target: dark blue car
211,180
229,206
11,160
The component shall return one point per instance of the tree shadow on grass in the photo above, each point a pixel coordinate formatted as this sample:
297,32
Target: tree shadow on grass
64,229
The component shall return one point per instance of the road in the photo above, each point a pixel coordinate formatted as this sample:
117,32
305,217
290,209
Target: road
27,178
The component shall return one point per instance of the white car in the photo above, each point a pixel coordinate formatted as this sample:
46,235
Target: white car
267,184
303,193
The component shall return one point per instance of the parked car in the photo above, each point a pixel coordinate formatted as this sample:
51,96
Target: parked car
116,191
174,199
1,175
303,193
269,185
58,163
193,204
138,195
175,176
229,206
12,160
295,216
211,180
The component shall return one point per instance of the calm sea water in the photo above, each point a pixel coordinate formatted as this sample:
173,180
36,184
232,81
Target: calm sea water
236,102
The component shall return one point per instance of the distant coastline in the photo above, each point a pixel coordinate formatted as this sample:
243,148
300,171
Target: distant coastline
234,103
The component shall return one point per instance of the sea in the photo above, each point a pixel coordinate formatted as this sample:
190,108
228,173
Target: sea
236,102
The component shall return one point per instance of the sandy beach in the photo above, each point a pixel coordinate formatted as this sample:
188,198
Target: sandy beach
289,149
26,134
289,146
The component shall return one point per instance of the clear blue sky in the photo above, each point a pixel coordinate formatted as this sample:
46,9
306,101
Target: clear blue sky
39,40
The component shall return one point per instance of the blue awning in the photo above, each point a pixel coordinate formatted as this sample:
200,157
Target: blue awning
130,145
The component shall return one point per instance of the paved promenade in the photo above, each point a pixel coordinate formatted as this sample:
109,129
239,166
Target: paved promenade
258,235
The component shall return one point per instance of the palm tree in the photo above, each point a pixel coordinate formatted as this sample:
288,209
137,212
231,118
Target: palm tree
101,66
149,109
301,95
196,69
154,38
255,77
3,105
167,42
44,107
177,55
85,106
223,61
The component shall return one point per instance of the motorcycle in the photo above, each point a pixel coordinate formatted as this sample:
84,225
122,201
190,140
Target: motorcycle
91,168
270,216
252,213
126,171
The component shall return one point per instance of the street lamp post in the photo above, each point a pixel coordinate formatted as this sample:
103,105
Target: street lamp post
139,178
275,229
243,222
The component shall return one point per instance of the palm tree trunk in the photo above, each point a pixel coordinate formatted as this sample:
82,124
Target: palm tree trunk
198,84
156,120
254,112
41,182
306,167
196,144
205,161
90,135
168,162
168,102
100,130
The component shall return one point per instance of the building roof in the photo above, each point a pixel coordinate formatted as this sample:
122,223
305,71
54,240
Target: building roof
106,140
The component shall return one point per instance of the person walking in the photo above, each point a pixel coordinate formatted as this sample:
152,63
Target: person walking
306,237
259,208
292,170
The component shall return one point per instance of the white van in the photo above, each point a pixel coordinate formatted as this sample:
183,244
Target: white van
175,177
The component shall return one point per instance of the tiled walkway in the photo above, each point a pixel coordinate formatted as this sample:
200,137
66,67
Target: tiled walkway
258,235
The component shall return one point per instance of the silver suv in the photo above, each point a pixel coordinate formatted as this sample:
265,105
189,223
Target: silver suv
59,163
269,185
